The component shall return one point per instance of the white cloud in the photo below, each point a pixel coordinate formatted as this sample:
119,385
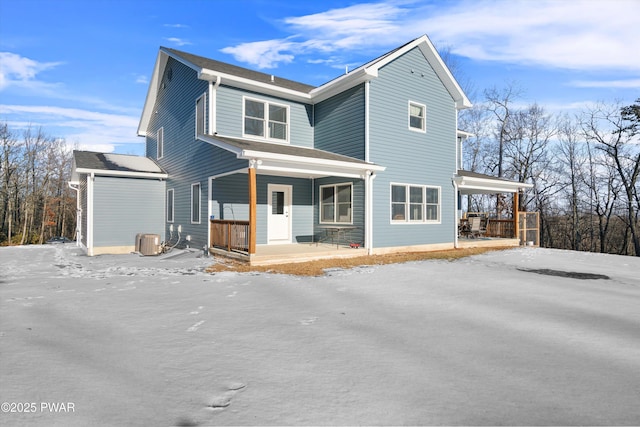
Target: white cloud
142,79
176,25
177,41
88,129
616,84
578,34
20,71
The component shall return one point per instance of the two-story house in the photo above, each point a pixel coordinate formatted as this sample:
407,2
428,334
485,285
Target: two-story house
371,158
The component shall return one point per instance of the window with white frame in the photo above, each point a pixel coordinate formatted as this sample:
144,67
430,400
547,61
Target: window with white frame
415,203
417,117
170,205
266,120
195,203
336,203
201,115
160,143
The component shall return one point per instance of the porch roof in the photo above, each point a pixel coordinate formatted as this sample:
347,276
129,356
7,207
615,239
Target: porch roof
477,183
291,160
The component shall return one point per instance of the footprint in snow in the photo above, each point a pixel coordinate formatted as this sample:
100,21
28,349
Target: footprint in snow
224,400
307,321
195,326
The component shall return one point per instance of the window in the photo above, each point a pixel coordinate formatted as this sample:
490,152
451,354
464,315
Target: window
160,143
195,203
266,120
336,203
200,115
170,205
415,203
417,117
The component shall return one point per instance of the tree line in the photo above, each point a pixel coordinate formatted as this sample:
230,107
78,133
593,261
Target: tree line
36,202
584,168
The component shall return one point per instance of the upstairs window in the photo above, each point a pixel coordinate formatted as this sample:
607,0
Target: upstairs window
200,115
160,143
266,120
336,203
417,117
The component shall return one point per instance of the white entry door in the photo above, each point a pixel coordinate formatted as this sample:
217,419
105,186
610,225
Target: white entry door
279,217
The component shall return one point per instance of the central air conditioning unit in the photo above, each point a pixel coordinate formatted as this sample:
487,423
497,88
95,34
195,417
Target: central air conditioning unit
148,244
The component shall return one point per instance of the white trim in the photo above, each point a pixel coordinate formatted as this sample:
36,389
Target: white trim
204,115
266,120
367,121
407,203
160,143
102,172
476,185
335,203
368,212
423,129
90,183
199,203
173,206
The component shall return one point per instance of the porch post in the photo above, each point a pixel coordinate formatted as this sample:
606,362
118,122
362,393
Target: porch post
252,208
516,219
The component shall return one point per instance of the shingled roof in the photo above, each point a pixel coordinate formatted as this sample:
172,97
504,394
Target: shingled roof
114,164
234,70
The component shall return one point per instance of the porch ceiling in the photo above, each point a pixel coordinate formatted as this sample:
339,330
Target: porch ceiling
477,183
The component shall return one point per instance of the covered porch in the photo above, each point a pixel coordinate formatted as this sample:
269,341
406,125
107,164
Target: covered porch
274,206
483,229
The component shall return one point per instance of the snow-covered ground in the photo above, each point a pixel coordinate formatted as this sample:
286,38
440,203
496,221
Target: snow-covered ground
154,341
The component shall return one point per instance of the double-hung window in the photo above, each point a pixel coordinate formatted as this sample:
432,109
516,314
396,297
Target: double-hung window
266,120
336,202
415,203
170,205
160,143
195,203
201,117
417,117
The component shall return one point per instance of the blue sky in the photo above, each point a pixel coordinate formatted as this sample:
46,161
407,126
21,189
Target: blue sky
80,69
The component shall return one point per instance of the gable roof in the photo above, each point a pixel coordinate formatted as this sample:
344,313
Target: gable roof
114,165
232,75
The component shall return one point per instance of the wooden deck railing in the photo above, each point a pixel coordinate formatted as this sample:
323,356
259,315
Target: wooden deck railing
231,235
504,228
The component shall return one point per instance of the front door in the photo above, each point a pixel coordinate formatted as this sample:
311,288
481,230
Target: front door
279,217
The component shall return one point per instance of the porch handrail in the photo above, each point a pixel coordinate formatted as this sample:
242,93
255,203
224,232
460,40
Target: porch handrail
232,235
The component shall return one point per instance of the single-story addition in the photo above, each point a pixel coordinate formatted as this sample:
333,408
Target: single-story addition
118,197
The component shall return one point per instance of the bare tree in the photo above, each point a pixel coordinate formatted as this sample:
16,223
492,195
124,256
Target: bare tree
615,131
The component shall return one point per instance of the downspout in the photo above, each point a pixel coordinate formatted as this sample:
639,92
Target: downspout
78,236
455,207
90,182
368,212
366,121
213,86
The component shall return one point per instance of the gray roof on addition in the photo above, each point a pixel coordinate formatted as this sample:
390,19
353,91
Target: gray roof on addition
115,165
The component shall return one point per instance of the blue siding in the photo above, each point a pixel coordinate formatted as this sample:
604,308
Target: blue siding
340,123
229,102
186,160
411,157
124,207
230,197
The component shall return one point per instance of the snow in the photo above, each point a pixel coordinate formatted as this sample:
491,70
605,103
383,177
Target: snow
154,341
135,163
